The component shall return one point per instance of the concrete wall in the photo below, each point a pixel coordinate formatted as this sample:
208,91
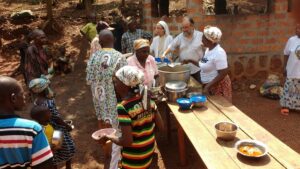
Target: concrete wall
254,43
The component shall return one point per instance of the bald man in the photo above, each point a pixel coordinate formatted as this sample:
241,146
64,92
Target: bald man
189,44
26,144
100,70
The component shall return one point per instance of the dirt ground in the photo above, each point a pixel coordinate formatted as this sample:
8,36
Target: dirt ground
75,103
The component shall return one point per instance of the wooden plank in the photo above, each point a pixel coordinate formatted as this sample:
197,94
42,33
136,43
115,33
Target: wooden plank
209,117
283,153
212,154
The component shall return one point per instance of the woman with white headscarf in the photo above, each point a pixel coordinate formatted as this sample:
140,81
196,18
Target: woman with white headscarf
214,65
137,123
162,41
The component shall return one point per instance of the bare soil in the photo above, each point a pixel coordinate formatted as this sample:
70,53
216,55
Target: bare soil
74,98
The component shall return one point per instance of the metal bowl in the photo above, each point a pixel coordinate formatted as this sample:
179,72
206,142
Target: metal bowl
253,143
174,95
176,85
226,130
57,139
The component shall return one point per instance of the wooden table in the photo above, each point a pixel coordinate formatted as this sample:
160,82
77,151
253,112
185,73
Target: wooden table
198,126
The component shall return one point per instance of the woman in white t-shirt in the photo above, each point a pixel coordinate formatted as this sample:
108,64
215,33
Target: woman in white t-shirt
214,65
290,99
162,41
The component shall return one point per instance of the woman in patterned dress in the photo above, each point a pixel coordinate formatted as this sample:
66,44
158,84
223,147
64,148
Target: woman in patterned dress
290,99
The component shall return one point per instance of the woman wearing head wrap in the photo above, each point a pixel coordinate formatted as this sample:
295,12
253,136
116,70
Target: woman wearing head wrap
162,41
137,124
45,97
36,60
143,61
214,65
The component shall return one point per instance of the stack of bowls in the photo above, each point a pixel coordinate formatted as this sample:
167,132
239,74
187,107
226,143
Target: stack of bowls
175,90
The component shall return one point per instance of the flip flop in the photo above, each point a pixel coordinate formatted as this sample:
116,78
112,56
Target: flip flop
285,111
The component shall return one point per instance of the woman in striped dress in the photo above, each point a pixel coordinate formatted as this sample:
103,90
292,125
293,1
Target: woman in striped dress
45,97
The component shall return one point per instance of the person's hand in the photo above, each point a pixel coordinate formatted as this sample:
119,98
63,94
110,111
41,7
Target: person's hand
186,61
103,139
206,90
68,127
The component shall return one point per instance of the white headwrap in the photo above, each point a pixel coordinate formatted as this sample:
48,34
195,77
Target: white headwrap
165,26
130,76
213,33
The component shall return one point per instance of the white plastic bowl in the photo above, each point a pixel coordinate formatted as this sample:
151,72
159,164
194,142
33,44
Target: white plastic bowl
107,131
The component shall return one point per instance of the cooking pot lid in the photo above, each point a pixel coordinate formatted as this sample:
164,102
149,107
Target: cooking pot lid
176,85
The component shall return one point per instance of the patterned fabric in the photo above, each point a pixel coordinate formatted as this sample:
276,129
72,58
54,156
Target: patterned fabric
36,63
95,46
39,84
129,37
67,150
150,69
291,94
223,89
130,76
213,34
140,153
22,143
140,43
100,69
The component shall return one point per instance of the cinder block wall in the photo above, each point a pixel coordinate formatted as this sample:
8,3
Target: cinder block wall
254,43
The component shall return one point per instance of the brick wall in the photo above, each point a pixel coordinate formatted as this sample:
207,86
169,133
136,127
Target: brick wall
255,36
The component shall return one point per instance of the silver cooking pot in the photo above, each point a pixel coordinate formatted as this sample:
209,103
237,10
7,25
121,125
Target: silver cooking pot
176,73
175,90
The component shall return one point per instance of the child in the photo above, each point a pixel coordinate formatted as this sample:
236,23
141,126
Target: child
44,96
42,115
137,122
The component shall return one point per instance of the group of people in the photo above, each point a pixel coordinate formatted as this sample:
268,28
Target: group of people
119,84
25,143
119,89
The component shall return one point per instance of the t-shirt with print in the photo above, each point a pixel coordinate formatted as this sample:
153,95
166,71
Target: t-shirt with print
292,50
139,154
213,60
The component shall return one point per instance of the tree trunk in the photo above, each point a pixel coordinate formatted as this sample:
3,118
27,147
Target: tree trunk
88,7
122,3
49,9
220,7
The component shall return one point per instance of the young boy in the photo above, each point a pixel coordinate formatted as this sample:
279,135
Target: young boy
42,115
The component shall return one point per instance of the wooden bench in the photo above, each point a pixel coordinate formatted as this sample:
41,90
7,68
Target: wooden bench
198,126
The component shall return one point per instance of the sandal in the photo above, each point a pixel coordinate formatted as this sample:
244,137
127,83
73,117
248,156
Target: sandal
285,111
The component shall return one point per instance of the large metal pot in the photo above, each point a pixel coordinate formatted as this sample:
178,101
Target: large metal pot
176,73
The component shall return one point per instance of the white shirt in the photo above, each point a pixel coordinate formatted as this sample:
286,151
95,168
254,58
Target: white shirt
293,64
155,45
190,49
212,61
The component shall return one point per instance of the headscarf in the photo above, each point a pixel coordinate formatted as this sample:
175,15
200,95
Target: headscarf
140,43
213,33
36,33
165,26
39,84
130,76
